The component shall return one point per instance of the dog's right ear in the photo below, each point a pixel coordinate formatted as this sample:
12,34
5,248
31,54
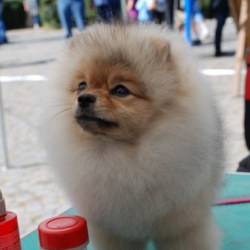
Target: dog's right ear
75,40
72,43
162,47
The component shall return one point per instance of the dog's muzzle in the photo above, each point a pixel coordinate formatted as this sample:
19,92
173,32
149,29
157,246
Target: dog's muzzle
86,100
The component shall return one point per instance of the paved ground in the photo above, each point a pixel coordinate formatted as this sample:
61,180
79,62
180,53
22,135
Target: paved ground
28,186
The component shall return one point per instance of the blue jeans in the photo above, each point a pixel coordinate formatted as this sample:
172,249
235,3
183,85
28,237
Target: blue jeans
108,12
36,19
196,12
67,9
3,38
192,11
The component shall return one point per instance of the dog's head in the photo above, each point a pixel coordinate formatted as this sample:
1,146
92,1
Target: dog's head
120,79
109,99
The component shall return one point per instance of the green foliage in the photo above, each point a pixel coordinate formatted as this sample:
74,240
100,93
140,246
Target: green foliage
15,17
206,7
90,13
48,13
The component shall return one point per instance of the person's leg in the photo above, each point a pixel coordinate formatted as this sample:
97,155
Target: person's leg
63,8
101,13
3,38
218,33
155,16
161,17
36,20
107,13
194,34
196,12
199,20
114,11
188,12
169,13
78,11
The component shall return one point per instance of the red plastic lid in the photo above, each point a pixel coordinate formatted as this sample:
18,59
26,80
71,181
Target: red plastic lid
63,232
8,223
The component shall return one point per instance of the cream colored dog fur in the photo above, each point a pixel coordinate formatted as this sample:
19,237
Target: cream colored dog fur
143,160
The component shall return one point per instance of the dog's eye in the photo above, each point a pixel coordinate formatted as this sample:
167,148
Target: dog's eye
120,91
82,86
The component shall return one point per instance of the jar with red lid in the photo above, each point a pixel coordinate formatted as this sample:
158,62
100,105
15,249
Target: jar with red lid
9,233
68,232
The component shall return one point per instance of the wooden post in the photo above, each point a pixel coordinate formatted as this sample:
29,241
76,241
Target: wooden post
241,44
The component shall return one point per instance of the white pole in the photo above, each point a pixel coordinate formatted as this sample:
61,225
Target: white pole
3,135
124,10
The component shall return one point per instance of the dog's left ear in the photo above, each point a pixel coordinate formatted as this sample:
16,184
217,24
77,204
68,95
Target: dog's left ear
162,48
73,42
76,40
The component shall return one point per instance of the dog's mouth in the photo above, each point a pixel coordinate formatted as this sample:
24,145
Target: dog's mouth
91,122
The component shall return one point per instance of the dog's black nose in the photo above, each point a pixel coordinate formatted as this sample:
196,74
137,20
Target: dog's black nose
85,100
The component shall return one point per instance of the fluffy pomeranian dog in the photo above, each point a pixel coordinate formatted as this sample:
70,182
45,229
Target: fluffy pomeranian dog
135,138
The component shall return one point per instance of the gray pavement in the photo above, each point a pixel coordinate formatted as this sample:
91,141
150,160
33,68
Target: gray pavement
25,62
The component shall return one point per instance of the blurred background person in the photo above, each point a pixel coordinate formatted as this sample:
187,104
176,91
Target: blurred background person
195,25
3,38
188,5
220,9
32,7
68,9
131,10
144,14
199,21
157,9
169,13
108,10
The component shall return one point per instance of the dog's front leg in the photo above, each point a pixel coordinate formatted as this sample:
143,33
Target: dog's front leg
204,236
102,240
